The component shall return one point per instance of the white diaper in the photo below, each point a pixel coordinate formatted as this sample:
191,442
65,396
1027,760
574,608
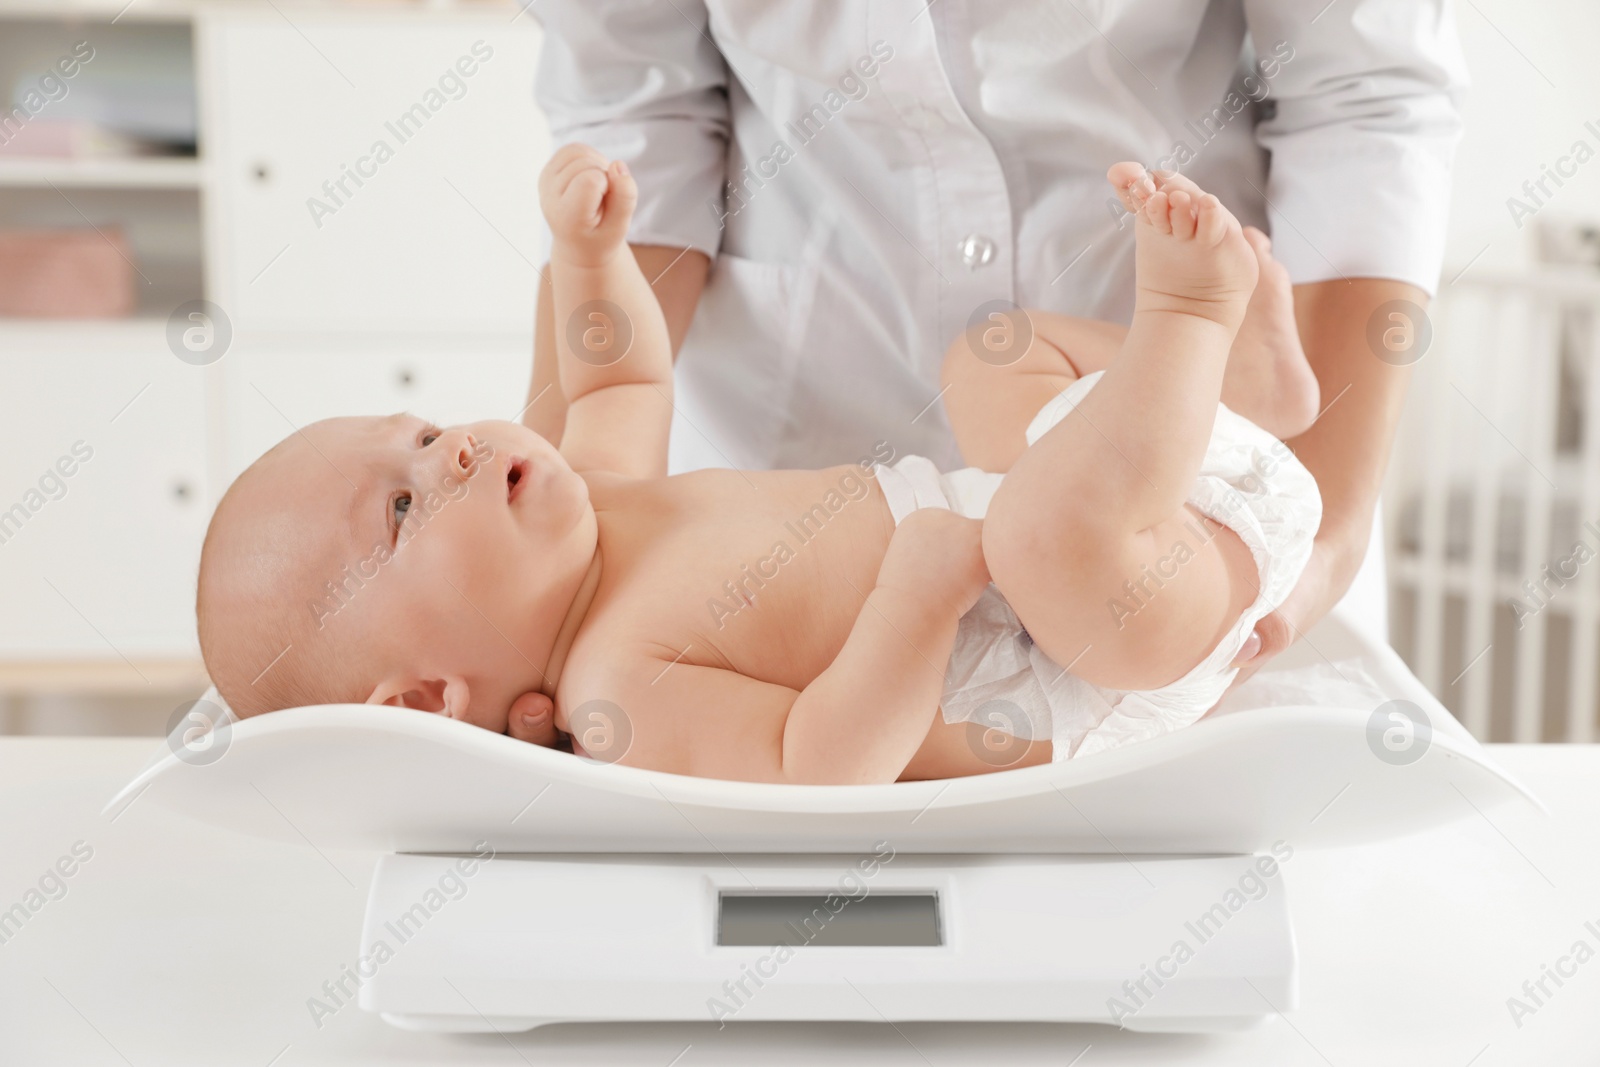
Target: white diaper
1249,482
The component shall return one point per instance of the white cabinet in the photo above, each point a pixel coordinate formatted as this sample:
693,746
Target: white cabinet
372,176
368,221
102,494
104,488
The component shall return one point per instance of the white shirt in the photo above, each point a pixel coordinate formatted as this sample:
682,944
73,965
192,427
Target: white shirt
955,156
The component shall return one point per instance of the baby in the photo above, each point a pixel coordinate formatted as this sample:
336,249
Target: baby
802,626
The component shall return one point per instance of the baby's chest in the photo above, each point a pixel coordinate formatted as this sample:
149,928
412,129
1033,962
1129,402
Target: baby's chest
758,608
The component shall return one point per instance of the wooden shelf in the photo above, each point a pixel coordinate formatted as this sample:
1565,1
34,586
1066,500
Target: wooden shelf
109,677
155,172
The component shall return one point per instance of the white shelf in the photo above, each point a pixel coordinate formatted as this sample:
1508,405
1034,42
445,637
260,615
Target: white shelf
143,173
122,11
51,333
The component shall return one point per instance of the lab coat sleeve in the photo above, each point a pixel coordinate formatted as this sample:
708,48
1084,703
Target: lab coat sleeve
642,81
1362,134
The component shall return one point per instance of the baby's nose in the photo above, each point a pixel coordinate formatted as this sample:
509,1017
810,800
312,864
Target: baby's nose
460,452
465,454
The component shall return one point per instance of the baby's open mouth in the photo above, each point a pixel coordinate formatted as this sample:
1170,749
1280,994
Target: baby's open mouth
514,472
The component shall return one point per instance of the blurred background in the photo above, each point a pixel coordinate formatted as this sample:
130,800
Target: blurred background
220,221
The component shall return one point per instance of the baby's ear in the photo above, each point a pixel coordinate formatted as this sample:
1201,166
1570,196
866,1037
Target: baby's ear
448,695
456,697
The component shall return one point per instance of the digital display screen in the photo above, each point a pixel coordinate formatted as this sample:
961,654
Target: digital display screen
829,920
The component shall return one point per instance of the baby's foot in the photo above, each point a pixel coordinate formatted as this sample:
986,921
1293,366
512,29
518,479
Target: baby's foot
1191,255
1268,380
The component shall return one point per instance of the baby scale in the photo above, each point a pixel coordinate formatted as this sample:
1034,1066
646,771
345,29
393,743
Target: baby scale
1142,887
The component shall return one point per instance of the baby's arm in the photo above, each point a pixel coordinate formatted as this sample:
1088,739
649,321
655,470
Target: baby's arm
990,401
614,354
863,718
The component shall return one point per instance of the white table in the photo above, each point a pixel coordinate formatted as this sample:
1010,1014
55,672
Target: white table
176,943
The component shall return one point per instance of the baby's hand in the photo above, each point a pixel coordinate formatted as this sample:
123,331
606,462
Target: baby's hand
938,554
588,202
533,719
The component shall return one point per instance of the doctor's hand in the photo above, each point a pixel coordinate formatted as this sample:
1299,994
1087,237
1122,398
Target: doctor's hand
1312,597
533,720
588,201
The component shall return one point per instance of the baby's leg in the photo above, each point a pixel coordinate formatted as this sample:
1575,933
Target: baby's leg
991,397
1097,505
1269,380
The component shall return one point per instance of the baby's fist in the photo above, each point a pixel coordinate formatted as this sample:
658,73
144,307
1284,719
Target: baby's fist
588,202
937,555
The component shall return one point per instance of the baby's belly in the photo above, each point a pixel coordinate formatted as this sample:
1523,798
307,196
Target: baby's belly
786,622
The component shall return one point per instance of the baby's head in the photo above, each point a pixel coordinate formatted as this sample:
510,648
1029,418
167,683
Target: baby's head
384,560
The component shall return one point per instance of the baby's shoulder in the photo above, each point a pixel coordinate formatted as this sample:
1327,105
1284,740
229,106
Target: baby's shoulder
607,702
611,656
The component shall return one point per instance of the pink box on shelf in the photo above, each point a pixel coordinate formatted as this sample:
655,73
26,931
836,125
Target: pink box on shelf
65,274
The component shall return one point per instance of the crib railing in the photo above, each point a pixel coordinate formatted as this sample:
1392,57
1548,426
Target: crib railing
1493,507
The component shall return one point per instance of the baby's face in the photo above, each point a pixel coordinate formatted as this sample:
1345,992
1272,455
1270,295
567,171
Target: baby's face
440,545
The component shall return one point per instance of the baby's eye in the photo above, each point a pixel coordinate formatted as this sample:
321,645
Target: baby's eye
429,438
402,504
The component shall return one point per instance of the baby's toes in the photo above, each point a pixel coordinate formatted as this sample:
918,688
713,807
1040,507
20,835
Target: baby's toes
1132,184
1259,241
1211,219
1157,212
1170,181
1182,213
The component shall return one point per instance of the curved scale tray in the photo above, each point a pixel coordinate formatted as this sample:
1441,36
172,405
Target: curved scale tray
354,776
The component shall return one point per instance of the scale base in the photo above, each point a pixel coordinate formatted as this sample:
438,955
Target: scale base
1165,944
513,1024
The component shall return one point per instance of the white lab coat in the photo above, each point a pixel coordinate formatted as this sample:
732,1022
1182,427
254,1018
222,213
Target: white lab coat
868,174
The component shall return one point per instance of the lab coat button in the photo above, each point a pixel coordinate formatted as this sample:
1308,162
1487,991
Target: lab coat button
976,250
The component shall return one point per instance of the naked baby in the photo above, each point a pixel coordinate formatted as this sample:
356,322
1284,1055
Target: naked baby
930,624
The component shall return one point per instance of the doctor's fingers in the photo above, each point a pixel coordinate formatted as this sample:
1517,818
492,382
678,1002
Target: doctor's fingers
1272,634
532,719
